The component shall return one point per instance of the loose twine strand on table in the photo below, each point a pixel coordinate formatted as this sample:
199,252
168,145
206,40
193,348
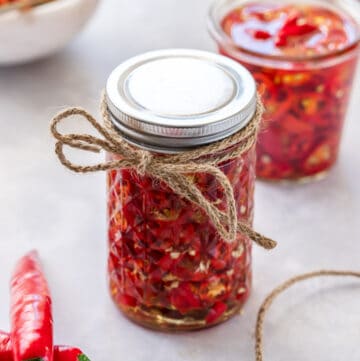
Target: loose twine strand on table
173,169
277,291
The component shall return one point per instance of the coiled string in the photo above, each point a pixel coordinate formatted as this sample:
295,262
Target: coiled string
259,350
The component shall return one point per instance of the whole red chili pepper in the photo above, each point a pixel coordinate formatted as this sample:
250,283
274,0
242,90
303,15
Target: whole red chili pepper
5,347
31,319
61,353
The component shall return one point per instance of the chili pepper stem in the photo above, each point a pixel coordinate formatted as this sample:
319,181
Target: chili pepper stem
83,357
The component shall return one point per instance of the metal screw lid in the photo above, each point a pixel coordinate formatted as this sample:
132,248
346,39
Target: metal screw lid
172,100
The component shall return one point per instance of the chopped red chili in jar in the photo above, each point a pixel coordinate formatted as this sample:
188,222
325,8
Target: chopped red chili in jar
303,58
167,261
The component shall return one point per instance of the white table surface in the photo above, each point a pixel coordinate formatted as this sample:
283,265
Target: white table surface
44,206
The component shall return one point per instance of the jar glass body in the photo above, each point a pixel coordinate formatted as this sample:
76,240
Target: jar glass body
305,100
168,267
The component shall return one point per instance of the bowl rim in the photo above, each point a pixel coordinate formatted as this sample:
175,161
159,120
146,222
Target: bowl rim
44,9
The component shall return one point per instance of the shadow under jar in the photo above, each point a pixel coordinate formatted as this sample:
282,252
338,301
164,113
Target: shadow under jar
168,267
303,55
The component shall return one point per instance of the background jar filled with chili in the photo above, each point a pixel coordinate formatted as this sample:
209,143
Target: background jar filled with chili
303,57
169,268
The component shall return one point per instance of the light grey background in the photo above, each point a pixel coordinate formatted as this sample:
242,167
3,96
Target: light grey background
45,206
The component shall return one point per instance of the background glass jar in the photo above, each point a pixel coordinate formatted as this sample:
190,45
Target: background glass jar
303,58
168,267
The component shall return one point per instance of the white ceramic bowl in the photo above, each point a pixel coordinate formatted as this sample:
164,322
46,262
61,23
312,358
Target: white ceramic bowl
41,31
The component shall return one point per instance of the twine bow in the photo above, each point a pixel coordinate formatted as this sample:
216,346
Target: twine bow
174,169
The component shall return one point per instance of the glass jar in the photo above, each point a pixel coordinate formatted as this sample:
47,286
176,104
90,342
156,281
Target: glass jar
168,267
303,56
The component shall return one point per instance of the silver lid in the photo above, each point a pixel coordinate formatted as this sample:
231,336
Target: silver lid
172,100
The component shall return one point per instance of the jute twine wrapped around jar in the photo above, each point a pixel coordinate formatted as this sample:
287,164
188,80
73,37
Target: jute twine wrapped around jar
173,169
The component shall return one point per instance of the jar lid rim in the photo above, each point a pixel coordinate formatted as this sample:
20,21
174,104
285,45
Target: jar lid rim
180,98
